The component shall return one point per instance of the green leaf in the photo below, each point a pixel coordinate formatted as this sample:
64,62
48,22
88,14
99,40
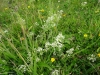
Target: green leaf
41,64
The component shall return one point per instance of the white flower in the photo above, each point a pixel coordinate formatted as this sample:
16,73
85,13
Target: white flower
52,21
6,31
54,44
61,11
36,24
84,3
37,59
39,49
59,45
47,44
59,37
58,41
29,57
58,0
92,57
55,72
31,33
70,51
22,68
77,47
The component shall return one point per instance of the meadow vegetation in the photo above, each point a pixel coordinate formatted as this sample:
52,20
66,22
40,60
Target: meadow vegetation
49,37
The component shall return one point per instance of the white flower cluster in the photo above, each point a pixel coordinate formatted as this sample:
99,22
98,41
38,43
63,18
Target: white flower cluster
57,43
70,51
22,68
40,50
29,56
92,57
52,20
55,72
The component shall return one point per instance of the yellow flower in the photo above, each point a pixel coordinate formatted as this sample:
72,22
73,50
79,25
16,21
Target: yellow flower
96,11
99,34
63,15
6,8
99,54
85,35
42,10
52,59
28,6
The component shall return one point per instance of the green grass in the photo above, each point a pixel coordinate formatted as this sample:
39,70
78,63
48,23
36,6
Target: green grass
34,31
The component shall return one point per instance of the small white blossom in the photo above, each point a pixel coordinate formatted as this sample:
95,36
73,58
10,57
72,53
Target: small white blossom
58,0
39,49
36,24
58,41
22,68
6,31
47,44
61,11
84,3
92,57
37,59
77,47
52,21
31,33
59,37
54,44
70,51
59,45
55,72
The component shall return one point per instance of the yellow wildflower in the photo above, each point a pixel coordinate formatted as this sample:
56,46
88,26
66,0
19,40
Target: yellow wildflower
6,8
85,35
99,34
63,15
96,11
42,10
52,59
99,54
28,6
